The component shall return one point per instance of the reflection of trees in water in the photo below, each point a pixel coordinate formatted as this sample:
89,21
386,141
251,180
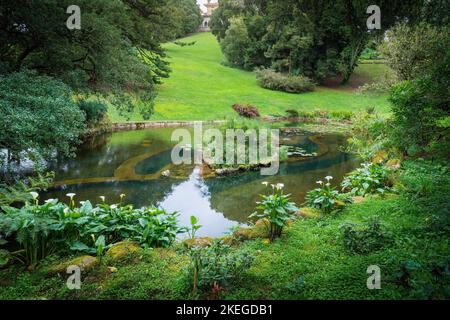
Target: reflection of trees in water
138,193
219,184
99,156
235,196
96,143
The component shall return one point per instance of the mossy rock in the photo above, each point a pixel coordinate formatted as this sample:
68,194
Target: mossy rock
358,199
307,212
124,250
393,164
198,242
380,157
228,240
86,263
259,230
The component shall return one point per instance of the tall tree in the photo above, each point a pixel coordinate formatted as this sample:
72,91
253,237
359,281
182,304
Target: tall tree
317,38
118,48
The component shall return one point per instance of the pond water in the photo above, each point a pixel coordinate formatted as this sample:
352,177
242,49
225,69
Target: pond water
131,162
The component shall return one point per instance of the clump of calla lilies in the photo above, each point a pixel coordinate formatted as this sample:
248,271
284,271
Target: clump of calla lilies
276,207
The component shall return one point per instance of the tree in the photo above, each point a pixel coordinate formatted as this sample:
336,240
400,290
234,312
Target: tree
420,103
412,51
318,39
235,43
118,48
39,119
185,15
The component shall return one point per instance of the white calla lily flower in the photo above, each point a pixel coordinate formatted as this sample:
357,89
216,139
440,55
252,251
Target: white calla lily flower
279,186
35,195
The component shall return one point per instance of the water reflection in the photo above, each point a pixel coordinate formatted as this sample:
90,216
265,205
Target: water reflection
131,163
192,197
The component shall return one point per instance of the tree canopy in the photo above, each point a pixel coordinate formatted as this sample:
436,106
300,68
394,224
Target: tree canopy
118,48
318,39
39,119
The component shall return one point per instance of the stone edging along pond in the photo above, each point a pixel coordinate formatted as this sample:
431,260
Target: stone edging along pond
136,125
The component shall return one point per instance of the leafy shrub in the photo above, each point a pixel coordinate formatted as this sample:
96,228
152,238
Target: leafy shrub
419,56
269,79
342,115
321,114
291,113
235,43
20,192
276,208
95,110
370,178
427,186
39,117
369,135
326,198
370,54
185,44
43,229
219,265
362,239
413,50
417,106
246,110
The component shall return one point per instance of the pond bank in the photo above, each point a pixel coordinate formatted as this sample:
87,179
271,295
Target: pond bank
136,125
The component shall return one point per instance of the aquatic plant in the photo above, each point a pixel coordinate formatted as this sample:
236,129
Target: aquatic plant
369,178
326,198
276,208
40,230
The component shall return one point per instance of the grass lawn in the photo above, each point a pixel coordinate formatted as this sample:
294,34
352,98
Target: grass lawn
201,88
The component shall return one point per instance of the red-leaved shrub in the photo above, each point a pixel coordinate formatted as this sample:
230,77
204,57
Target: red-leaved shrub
246,110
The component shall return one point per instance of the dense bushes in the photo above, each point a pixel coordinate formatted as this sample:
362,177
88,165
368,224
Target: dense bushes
269,79
426,185
38,116
369,178
40,230
413,51
342,115
246,110
235,43
420,57
317,40
370,134
95,110
418,106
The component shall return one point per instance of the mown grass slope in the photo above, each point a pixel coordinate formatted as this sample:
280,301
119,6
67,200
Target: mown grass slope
200,87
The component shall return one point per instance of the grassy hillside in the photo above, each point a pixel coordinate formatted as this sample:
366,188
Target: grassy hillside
201,87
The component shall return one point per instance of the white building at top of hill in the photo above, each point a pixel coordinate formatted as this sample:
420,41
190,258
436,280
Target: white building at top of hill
210,7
